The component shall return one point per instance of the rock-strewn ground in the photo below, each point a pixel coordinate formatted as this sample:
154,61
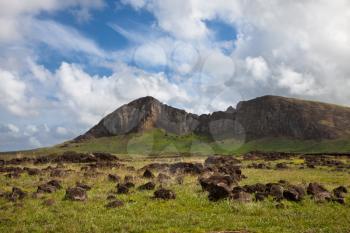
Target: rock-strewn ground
101,193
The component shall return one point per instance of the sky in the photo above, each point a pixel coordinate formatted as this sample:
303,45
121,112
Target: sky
64,64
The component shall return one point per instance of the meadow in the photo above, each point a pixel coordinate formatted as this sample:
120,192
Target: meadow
191,211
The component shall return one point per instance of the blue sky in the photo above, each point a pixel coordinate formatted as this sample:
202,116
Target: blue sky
66,64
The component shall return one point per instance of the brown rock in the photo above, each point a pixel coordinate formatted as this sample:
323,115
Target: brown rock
115,204
164,194
76,194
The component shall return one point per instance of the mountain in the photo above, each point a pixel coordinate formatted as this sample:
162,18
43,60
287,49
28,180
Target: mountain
263,117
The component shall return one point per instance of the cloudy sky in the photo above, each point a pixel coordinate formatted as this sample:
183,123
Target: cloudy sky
64,64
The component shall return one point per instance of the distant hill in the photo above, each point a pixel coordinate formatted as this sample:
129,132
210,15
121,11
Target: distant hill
263,117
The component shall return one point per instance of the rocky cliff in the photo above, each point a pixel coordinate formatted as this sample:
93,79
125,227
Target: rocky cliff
267,116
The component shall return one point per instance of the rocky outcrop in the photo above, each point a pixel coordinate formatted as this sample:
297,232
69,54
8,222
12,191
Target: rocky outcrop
267,116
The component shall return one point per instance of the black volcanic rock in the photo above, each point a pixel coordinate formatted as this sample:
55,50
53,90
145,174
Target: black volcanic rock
267,116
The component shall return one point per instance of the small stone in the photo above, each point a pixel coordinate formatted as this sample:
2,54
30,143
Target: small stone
165,194
115,204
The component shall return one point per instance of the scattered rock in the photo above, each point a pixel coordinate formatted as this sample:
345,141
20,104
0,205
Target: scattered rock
275,190
111,197
156,166
242,196
147,186
46,188
55,183
129,184
13,175
162,178
164,194
280,206
218,191
114,178
32,171
186,168
281,166
83,186
122,189
340,191
148,174
259,196
291,195
321,197
179,180
76,194
128,178
315,188
16,194
57,173
115,204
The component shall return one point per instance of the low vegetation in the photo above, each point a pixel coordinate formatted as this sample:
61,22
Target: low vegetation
191,210
157,142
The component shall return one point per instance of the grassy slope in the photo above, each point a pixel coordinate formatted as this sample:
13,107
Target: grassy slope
157,142
190,212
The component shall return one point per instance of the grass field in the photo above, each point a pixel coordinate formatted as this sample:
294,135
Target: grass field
191,211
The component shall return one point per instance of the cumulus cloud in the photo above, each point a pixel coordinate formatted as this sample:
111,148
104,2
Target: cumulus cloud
13,96
91,97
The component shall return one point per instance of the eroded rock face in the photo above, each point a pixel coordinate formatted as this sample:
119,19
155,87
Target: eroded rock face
267,116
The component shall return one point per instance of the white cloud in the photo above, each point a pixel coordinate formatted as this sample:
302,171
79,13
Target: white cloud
258,68
296,83
61,130
34,142
8,128
13,96
91,97
62,38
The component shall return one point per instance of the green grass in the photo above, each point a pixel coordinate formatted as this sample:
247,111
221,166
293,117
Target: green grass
190,212
157,142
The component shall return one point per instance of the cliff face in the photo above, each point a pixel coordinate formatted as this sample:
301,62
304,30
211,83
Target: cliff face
272,116
268,116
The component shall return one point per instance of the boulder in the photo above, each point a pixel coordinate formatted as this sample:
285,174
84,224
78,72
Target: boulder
115,204
128,178
122,189
83,186
218,191
242,196
147,186
15,195
315,188
148,174
276,191
114,178
46,188
164,194
281,166
322,196
340,191
259,196
55,183
291,194
76,194
162,178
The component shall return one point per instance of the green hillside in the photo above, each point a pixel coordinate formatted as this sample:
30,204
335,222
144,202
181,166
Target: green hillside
157,142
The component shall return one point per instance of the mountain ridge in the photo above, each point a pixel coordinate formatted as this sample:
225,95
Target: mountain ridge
261,117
